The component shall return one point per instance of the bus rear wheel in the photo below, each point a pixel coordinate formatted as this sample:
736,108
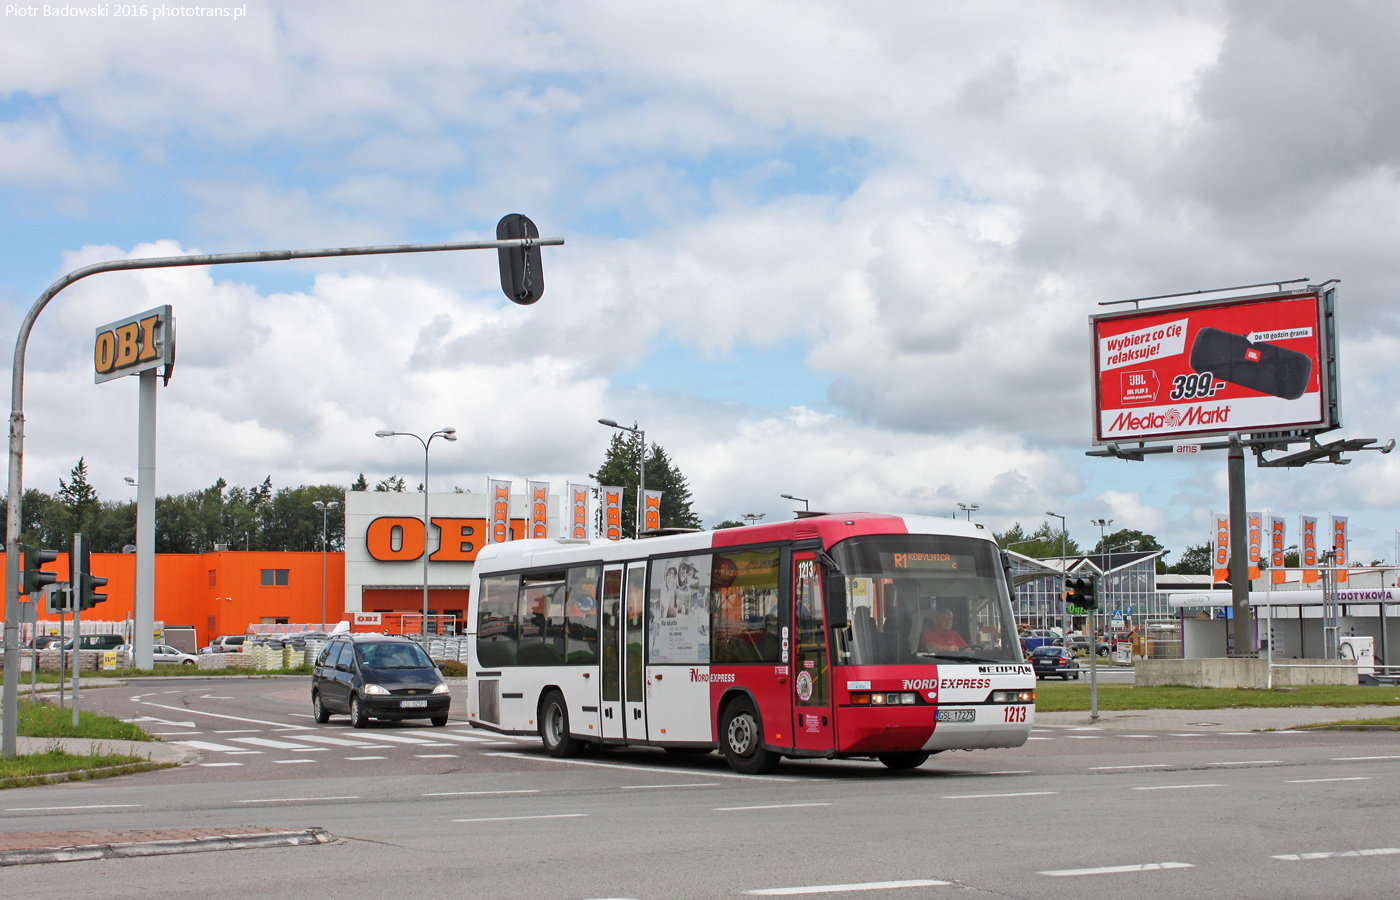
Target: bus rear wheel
741,737
902,761
554,727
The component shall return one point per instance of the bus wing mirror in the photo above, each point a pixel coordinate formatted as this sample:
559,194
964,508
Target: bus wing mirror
836,612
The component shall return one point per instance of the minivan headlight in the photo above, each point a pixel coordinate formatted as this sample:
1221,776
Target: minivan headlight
441,689
376,689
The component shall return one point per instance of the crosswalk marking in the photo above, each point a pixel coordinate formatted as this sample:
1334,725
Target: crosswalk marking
334,741
268,742
210,745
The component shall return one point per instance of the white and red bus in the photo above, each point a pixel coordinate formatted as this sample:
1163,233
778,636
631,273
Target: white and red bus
836,636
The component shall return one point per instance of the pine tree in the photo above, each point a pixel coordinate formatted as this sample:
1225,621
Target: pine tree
619,469
392,484
360,483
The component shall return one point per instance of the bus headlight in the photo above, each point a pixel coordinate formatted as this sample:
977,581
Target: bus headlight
1013,696
883,698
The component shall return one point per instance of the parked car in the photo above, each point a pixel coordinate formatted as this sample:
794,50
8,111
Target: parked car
1078,642
96,642
1040,637
43,641
227,643
162,654
375,676
1061,661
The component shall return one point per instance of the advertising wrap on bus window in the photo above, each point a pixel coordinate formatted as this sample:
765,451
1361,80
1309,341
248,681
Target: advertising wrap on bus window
1307,552
577,516
1220,547
679,629
1235,365
612,512
1277,537
538,492
498,530
1339,547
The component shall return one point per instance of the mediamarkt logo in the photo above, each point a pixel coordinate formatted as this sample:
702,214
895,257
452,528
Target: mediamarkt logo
1172,418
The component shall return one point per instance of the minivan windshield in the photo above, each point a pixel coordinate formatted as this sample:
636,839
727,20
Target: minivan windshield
924,599
392,655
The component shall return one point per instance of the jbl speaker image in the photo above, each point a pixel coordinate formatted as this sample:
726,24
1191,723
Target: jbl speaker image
1267,368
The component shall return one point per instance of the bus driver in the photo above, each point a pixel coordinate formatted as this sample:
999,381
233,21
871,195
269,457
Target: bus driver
940,635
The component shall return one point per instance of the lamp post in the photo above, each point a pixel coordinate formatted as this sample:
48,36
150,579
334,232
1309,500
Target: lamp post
806,506
325,509
641,471
448,434
1064,569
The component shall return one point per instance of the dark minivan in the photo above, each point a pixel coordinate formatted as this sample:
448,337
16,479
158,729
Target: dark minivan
376,676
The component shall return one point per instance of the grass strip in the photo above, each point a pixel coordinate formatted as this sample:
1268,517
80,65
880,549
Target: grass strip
43,720
1075,697
1391,723
55,765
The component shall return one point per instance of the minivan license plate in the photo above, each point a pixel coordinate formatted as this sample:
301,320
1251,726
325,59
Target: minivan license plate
955,715
420,704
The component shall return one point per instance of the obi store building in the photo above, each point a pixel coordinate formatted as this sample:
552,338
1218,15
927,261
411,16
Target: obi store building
384,557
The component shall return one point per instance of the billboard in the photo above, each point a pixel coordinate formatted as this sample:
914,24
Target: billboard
1252,364
132,345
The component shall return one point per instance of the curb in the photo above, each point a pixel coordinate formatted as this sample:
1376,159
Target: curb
20,781
1351,727
304,838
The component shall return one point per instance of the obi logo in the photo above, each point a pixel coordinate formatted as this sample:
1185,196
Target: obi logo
133,345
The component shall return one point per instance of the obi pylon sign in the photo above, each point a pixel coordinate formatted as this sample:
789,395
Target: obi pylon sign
1263,363
132,345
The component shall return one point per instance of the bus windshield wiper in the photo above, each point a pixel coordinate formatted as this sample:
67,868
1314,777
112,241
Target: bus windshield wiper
960,657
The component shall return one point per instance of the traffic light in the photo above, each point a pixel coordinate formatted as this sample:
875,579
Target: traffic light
84,583
522,270
34,578
1089,593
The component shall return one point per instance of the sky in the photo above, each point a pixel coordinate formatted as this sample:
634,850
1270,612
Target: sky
810,250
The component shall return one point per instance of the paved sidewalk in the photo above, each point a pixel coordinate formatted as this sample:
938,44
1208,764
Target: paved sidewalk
27,848
155,751
1251,719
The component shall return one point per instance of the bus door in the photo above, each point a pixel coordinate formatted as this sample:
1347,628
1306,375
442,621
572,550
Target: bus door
811,672
634,649
610,635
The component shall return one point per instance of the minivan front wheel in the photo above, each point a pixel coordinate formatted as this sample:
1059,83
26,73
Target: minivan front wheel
359,718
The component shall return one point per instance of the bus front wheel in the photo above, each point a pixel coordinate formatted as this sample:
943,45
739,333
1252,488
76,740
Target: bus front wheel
902,761
741,736
554,727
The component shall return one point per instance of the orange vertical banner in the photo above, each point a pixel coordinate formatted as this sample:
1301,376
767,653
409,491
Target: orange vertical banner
1276,538
653,511
1307,549
1256,539
612,512
538,492
1222,547
1339,547
498,529
577,518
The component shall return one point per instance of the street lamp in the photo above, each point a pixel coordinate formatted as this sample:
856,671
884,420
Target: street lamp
753,517
968,508
448,434
325,509
641,471
806,506
1064,569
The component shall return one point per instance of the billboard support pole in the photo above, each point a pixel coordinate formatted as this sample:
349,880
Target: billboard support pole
1240,628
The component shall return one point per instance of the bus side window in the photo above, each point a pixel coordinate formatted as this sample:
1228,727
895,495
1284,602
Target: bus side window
497,629
581,634
541,619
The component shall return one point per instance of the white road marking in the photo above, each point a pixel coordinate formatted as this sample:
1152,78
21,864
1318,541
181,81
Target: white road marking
1039,739
464,738
639,768
1360,758
398,739
983,796
437,756
1145,737
243,752
210,745
518,818
1147,766
218,765
841,888
1083,737
977,774
302,715
313,750
200,712
474,793
93,806
1114,870
1250,762
295,799
362,758
239,731
656,787
174,733
770,806
161,721
212,697
1338,854
1320,780
288,762
335,741
1175,787
268,742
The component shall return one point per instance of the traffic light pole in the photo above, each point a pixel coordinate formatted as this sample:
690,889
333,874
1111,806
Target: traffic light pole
9,699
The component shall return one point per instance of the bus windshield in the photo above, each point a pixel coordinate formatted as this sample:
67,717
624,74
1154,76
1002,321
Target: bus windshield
924,599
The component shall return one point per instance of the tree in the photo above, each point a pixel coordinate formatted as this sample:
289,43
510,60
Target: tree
1043,543
728,523
619,469
1196,559
360,484
394,484
1119,541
